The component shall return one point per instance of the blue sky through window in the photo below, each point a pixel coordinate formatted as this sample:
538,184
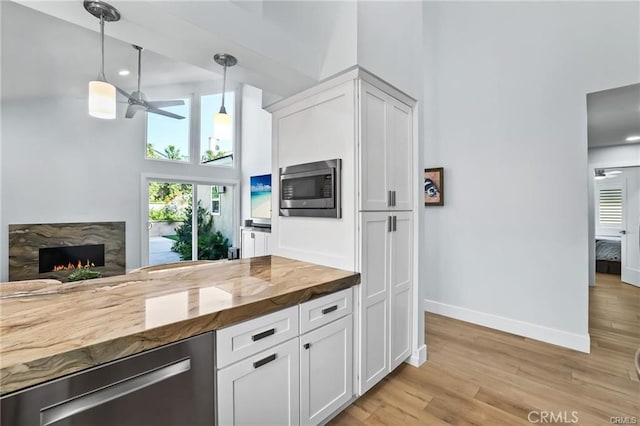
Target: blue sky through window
209,106
164,131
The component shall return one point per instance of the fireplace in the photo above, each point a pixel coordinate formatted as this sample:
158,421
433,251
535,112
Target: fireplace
68,258
55,250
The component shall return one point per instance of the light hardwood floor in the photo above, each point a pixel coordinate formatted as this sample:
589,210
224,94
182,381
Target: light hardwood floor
480,376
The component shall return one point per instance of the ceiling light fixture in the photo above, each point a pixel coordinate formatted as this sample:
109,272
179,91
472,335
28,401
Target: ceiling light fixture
222,120
102,94
633,138
124,72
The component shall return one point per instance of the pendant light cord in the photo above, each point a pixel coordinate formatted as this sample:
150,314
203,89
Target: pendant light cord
224,83
101,76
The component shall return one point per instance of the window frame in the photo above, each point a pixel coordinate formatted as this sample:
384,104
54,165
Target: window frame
191,98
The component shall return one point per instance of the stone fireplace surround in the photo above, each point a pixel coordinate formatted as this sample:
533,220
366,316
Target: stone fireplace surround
25,242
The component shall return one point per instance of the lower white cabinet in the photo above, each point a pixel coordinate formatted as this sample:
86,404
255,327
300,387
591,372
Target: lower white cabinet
267,375
326,370
262,389
255,243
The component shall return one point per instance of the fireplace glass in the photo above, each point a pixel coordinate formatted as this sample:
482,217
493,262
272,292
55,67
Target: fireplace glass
70,257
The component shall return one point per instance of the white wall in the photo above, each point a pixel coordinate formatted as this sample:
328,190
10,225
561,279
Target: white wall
611,156
508,92
256,145
61,165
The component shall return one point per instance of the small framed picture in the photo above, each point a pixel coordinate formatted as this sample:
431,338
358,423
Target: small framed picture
434,187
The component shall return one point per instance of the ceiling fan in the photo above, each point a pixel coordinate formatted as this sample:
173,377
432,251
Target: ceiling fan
138,101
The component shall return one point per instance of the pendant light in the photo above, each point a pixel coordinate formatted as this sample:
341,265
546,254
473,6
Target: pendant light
102,94
222,120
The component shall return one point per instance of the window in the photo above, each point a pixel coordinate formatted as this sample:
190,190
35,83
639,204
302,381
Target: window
168,138
171,226
610,206
609,216
216,145
215,199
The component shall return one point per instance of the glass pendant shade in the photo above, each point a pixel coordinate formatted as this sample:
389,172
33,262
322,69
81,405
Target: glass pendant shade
102,100
222,126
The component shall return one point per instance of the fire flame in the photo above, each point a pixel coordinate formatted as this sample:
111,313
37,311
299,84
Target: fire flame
70,266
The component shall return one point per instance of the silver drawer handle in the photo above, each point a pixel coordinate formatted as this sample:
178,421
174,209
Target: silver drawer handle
110,392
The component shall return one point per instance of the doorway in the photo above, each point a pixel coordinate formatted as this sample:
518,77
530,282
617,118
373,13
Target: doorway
617,222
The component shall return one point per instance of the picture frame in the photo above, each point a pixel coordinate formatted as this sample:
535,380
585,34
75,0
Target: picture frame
434,186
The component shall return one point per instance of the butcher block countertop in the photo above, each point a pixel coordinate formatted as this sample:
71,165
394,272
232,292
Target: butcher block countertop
49,329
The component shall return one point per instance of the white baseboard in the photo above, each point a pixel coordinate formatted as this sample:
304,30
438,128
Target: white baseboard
418,357
578,342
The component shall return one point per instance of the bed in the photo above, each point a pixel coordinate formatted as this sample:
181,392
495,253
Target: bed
608,256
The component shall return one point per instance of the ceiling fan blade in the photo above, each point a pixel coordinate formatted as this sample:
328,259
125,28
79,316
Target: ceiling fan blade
165,113
163,104
122,92
131,111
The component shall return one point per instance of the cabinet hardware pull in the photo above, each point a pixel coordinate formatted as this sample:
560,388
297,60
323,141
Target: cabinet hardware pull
264,334
307,345
395,228
393,198
111,392
264,361
389,199
253,235
329,309
390,227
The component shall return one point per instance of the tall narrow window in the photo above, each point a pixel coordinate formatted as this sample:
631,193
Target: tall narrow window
216,144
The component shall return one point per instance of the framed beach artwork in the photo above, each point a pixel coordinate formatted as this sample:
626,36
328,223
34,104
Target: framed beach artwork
434,186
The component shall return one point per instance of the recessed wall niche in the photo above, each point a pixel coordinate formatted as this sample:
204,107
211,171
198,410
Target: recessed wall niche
66,246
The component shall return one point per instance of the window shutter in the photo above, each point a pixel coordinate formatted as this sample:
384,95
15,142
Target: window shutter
610,206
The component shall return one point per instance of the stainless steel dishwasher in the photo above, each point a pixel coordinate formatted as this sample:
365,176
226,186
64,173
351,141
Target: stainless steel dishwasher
170,385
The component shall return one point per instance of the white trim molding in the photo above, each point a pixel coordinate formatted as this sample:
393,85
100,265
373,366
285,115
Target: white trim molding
578,342
418,357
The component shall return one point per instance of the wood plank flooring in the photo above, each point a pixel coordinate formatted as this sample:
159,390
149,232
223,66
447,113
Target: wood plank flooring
480,376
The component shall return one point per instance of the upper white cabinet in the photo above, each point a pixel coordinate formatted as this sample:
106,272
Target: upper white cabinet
385,148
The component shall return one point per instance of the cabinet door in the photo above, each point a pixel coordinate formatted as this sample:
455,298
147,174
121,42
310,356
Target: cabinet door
401,272
267,243
248,248
374,180
260,244
374,299
263,389
326,376
400,152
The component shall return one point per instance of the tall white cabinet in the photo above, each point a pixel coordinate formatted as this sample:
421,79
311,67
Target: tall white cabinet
369,125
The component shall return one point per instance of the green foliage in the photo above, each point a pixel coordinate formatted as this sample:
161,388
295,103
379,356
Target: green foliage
165,192
84,274
170,153
210,155
151,152
212,244
168,212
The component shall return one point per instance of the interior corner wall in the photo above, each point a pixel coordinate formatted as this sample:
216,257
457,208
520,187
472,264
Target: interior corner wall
389,41
508,122
603,157
256,145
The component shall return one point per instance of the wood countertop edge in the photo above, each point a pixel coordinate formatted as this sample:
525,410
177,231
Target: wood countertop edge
19,377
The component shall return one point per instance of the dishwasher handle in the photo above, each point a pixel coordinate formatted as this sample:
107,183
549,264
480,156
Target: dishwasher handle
110,392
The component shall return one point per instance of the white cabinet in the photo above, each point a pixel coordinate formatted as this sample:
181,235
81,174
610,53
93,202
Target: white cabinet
255,243
385,151
386,293
326,370
262,389
269,374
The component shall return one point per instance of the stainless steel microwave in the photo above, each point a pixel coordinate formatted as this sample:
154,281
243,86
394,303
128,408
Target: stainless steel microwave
311,189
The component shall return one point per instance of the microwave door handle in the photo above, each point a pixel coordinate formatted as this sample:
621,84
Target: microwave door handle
285,176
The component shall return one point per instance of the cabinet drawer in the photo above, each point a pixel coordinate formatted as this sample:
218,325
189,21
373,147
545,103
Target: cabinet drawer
323,310
247,338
